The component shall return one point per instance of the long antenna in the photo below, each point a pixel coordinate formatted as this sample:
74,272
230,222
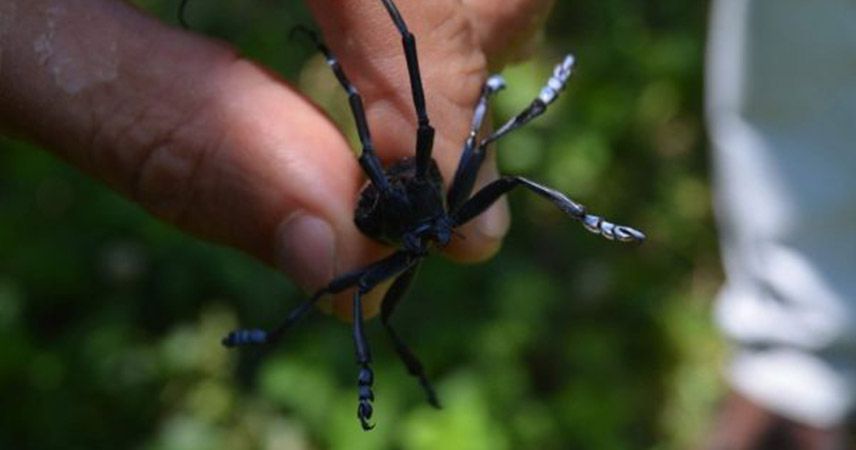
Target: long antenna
181,9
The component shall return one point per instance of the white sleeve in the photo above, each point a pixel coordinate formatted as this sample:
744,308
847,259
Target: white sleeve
781,107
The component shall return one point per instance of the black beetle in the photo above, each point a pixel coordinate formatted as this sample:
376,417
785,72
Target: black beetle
405,206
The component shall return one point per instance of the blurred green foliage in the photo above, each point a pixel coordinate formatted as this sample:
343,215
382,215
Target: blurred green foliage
110,321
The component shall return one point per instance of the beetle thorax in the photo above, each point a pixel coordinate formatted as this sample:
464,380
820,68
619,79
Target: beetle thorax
414,209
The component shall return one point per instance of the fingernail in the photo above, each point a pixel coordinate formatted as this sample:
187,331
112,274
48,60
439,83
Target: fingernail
306,250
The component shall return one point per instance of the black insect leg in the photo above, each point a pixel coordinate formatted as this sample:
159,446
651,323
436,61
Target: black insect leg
385,268
595,224
472,157
245,337
368,158
424,131
181,13
390,301
549,93
367,282
365,380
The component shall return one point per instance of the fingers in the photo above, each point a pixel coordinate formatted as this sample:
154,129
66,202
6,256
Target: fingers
453,68
181,125
223,149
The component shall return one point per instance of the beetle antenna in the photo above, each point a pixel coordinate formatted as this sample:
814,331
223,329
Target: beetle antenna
182,7
302,30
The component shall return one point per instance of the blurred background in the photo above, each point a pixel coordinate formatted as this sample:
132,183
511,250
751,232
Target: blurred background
110,321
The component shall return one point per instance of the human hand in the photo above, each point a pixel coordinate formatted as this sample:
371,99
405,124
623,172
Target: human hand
227,151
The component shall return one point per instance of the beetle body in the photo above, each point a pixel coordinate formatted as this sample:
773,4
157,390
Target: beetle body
411,214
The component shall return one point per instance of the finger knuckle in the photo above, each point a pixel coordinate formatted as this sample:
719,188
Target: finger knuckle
148,153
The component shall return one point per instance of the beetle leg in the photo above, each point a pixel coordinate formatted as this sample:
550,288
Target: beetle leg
390,301
424,131
383,269
181,13
365,279
595,224
472,157
367,282
555,85
365,380
369,160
